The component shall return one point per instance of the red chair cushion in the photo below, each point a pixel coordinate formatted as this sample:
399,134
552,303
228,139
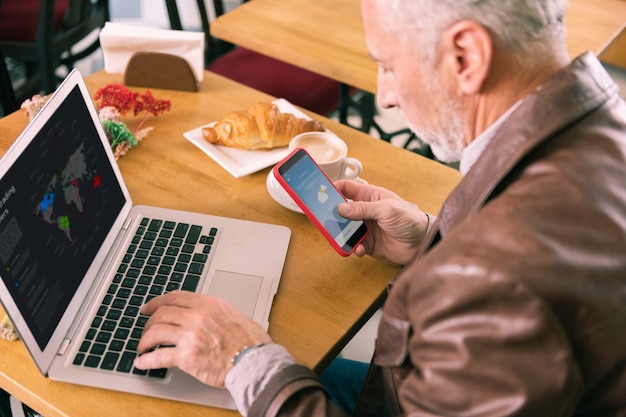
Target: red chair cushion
279,79
18,19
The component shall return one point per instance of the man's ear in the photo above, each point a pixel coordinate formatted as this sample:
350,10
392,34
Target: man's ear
470,48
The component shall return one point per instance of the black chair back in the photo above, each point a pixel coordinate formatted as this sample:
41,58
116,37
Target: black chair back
214,47
7,96
54,48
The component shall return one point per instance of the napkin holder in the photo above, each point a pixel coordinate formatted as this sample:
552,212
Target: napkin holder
157,54
160,70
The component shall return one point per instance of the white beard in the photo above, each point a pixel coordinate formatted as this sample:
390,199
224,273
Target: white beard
447,143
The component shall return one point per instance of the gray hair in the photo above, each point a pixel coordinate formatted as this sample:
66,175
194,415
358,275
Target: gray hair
527,27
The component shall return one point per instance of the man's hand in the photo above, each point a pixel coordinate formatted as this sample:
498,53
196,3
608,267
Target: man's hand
199,334
396,226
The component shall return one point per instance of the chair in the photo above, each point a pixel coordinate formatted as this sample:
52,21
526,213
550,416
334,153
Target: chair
8,103
277,78
12,408
44,35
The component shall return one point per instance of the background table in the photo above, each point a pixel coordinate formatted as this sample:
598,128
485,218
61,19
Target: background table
323,298
327,36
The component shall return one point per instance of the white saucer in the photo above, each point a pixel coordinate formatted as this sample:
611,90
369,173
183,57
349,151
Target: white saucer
278,193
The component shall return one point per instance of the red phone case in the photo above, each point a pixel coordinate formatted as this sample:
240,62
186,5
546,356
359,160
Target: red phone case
304,207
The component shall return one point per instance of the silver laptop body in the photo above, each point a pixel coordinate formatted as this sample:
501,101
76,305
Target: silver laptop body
66,222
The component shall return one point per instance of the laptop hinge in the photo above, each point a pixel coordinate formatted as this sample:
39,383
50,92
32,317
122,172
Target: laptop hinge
63,349
127,223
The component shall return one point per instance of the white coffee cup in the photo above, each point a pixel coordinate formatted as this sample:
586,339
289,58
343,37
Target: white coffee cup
330,153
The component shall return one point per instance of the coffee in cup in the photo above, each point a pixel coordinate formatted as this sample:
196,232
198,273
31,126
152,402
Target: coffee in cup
330,153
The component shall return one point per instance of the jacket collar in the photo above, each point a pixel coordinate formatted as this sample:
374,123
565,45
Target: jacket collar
574,91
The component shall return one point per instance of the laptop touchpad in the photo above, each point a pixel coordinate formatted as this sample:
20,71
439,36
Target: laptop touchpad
240,290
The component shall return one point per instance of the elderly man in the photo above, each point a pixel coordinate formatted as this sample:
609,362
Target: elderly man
513,300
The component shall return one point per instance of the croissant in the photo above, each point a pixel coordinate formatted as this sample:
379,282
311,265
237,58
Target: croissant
261,126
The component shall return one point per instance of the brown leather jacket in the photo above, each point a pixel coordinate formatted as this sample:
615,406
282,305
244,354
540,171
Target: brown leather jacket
517,304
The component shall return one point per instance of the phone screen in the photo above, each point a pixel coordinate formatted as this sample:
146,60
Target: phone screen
318,198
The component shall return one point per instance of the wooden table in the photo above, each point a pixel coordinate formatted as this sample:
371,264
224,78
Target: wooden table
327,36
323,298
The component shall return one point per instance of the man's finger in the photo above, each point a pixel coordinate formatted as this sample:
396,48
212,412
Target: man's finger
361,210
163,357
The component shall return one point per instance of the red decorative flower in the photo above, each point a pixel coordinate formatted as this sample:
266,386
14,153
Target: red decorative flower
124,100
118,96
112,101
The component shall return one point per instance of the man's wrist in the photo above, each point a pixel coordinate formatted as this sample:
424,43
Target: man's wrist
244,350
253,372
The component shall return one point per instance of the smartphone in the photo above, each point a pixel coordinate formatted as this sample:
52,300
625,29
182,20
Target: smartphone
318,198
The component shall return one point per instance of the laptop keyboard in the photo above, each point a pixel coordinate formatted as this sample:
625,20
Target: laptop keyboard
163,256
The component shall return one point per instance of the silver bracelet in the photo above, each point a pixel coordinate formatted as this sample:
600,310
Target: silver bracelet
244,350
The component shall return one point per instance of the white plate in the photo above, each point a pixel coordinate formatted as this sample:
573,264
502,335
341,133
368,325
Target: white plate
241,162
279,194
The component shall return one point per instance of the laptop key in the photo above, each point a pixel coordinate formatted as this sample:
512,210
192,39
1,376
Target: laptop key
136,301
155,225
180,267
107,300
123,293
119,303
103,337
156,290
121,333
126,362
131,311
109,361
98,349
131,346
109,325
92,361
181,230
139,372
194,234
161,242
157,373
117,345
200,257
114,314
191,283
188,248
127,322
196,268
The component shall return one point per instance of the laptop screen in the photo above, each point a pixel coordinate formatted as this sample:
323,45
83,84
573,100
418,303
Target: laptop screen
57,203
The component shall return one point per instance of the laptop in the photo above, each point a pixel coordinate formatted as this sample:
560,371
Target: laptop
78,259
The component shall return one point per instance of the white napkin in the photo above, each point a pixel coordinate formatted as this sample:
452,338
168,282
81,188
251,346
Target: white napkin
120,41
